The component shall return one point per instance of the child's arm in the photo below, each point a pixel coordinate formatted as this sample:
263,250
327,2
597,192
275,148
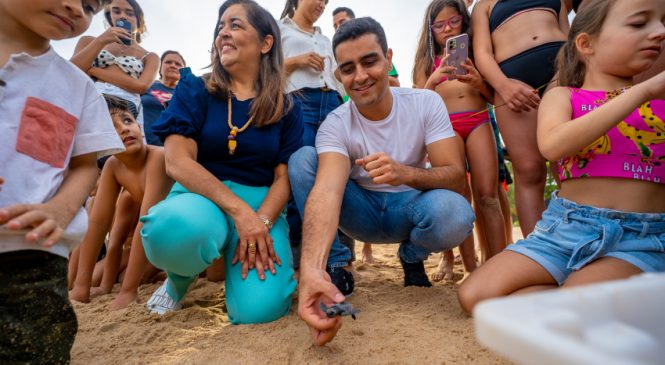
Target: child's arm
50,219
157,186
558,136
439,75
564,25
88,48
98,226
474,79
126,82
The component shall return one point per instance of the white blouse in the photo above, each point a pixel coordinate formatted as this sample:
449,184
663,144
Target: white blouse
295,42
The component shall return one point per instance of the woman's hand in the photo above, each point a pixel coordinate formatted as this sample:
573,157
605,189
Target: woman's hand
311,59
255,245
472,76
113,34
519,96
440,74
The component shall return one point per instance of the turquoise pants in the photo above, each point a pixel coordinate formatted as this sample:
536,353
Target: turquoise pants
186,232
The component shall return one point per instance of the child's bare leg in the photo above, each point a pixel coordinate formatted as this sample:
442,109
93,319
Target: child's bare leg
468,253
97,272
481,154
137,268
72,267
445,269
216,272
507,215
367,253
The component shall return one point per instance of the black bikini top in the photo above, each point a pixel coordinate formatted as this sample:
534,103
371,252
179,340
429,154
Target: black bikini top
505,10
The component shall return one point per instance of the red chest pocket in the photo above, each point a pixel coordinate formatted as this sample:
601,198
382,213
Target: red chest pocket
46,132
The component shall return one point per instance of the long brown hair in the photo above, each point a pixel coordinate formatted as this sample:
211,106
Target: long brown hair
138,13
570,63
427,47
270,103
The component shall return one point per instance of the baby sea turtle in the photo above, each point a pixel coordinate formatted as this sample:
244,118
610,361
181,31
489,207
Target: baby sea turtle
339,309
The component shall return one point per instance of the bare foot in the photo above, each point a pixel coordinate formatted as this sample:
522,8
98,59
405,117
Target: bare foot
367,256
445,270
123,300
99,290
80,294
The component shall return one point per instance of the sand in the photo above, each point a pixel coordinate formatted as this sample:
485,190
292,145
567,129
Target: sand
397,325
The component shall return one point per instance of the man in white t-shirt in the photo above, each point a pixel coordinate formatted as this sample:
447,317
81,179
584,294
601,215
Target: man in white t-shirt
368,175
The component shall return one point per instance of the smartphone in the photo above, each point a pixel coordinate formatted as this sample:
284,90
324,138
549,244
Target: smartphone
124,24
458,49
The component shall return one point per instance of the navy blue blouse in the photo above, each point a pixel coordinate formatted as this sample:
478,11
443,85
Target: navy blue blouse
195,113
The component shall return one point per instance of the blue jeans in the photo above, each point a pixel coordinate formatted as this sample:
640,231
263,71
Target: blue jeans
570,236
422,221
315,105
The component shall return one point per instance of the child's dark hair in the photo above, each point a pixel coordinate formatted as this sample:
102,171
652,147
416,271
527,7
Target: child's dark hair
355,28
570,63
117,105
169,52
344,9
138,13
427,47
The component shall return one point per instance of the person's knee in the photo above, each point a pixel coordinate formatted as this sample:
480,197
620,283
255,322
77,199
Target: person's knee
488,202
301,164
266,302
200,230
454,220
530,172
468,295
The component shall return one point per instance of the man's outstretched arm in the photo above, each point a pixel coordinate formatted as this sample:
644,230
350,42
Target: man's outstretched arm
321,220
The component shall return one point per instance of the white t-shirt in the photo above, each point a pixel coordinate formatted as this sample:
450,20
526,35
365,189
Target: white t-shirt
49,112
418,118
296,42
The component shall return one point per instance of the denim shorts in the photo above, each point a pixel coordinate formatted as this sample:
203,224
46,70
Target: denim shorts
570,236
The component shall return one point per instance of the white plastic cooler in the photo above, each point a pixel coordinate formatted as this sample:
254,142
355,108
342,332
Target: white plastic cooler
620,322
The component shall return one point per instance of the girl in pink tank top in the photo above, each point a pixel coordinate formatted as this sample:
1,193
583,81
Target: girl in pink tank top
608,220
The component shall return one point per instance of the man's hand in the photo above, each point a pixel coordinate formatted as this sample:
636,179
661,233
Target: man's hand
383,170
316,287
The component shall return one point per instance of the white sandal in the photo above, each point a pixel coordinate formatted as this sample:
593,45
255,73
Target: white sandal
161,302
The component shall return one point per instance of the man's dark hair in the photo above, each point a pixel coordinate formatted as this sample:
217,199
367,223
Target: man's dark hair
344,9
356,28
576,5
117,105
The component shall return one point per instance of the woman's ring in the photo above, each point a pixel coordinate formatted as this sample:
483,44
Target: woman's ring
252,247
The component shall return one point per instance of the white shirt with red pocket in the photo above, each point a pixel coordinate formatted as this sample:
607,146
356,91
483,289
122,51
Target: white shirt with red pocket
50,112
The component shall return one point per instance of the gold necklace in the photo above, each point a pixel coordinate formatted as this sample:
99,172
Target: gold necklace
234,130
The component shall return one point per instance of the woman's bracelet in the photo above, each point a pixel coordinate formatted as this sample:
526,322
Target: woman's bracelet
267,222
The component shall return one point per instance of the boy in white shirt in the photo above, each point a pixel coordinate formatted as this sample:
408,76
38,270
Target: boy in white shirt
54,126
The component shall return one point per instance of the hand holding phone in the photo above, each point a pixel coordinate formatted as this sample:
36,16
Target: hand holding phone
457,49
124,24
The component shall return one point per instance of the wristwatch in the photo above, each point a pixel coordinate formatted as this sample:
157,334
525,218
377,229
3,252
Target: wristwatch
268,223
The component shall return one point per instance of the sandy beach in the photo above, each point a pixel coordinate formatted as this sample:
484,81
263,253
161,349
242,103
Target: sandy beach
396,325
